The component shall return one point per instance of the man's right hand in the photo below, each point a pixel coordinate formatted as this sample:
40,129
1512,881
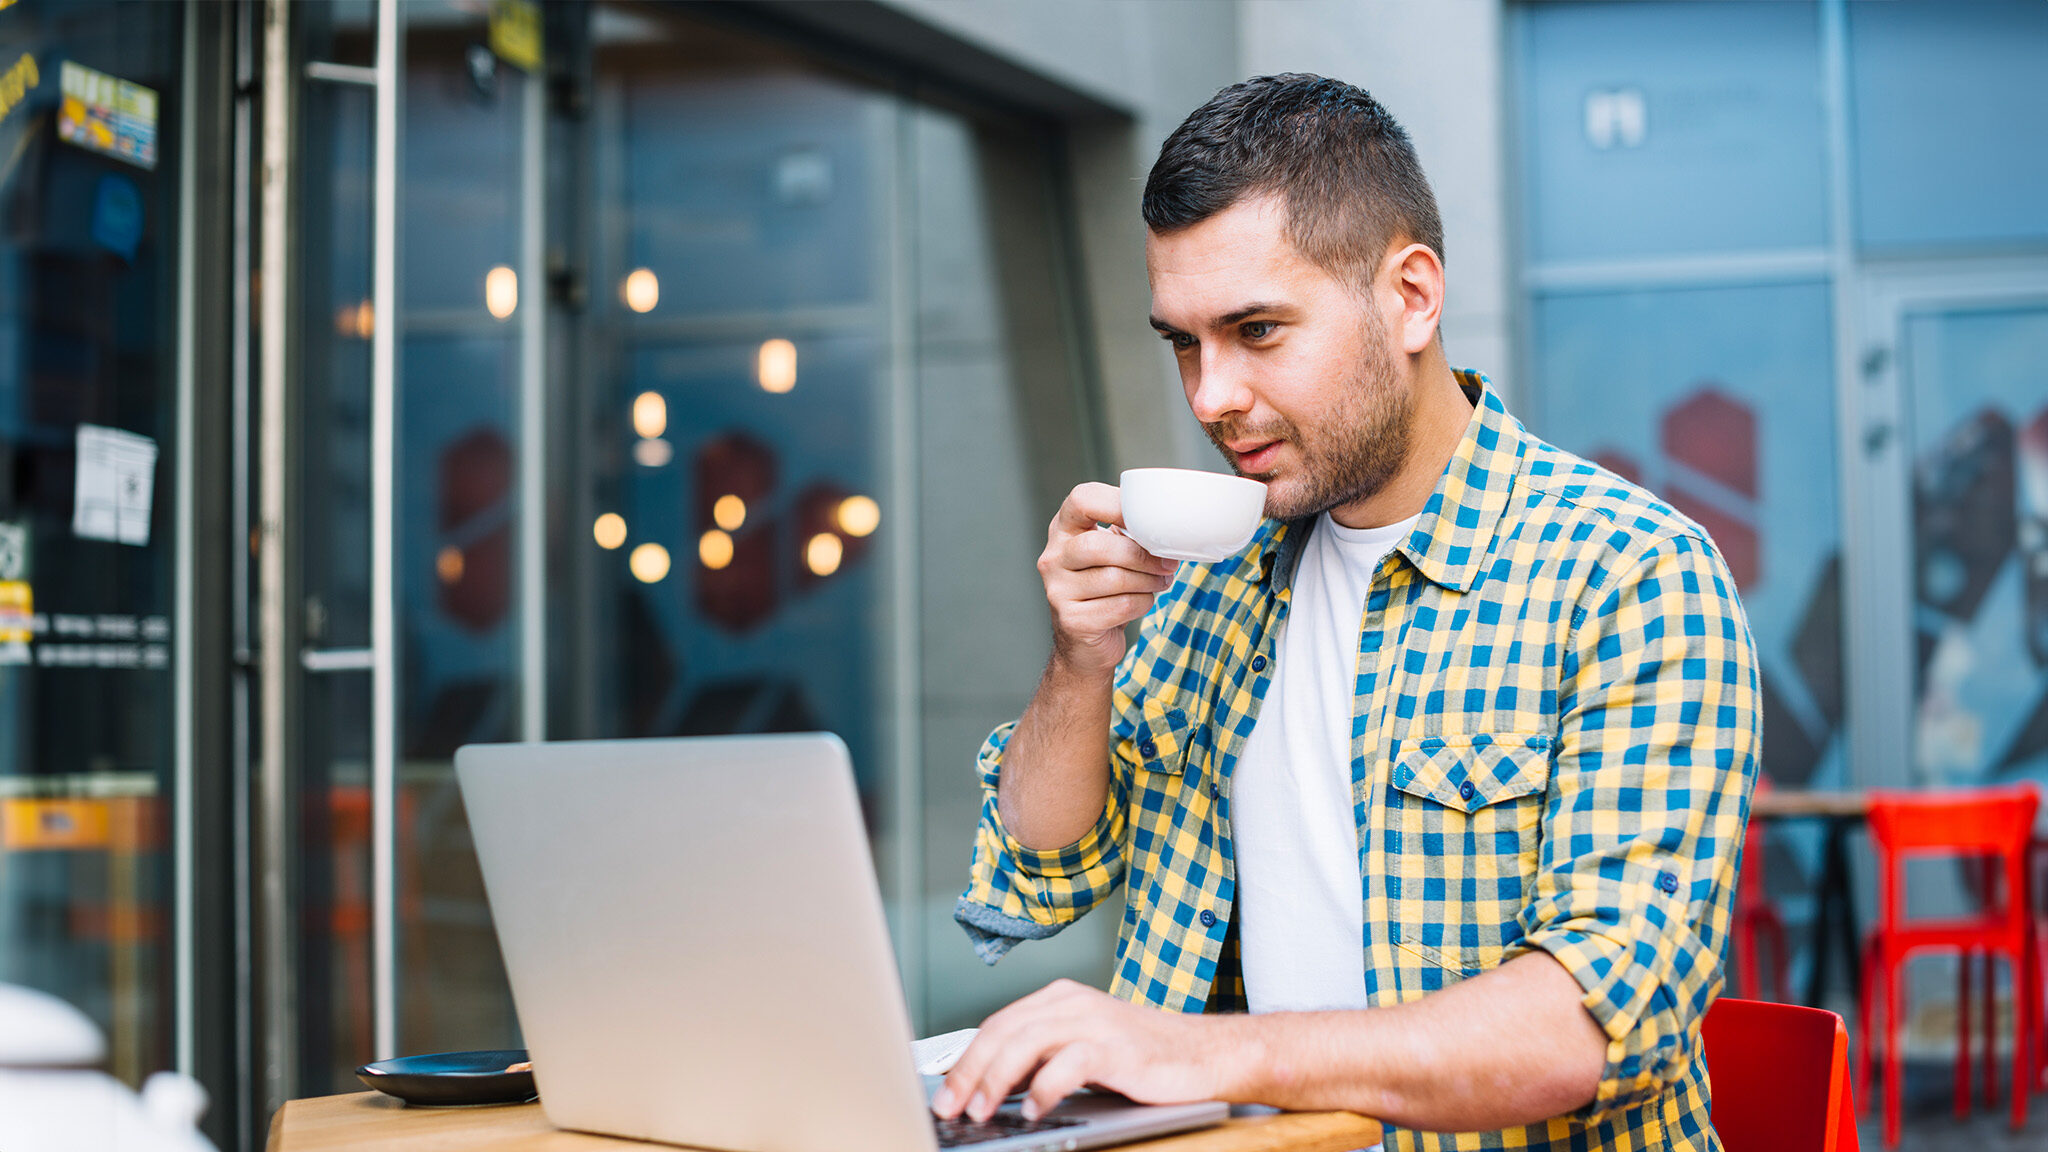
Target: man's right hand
1096,581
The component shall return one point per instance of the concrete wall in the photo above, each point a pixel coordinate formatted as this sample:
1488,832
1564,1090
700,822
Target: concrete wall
1436,64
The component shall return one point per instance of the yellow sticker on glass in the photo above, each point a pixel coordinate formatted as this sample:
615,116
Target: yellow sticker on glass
516,33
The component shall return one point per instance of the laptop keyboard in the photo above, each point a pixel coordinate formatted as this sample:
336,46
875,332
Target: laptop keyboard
960,1130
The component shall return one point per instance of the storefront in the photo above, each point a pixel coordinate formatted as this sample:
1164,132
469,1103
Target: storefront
511,371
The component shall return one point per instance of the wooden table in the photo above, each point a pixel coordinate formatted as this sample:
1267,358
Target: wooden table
374,1120
1834,913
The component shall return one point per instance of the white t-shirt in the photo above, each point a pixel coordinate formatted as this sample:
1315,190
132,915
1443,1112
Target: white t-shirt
1301,922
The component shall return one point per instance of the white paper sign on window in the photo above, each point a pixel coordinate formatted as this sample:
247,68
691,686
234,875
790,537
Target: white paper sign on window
116,470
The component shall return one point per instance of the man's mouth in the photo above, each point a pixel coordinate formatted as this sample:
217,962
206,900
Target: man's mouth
1255,456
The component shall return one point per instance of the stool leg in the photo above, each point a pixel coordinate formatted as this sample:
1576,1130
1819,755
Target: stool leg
1894,1012
1864,1018
2022,1040
1990,1060
1962,1090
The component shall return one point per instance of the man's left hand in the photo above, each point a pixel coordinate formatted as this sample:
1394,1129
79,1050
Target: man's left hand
1067,1036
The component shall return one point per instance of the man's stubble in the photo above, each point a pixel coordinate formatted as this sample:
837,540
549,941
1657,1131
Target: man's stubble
1354,449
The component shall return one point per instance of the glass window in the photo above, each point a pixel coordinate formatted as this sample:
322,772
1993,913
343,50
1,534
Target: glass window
1721,400
1979,540
89,154
1948,103
1664,129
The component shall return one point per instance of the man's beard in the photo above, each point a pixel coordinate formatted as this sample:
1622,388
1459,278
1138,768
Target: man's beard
1356,447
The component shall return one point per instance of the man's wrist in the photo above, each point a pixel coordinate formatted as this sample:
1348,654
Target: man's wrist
1242,1058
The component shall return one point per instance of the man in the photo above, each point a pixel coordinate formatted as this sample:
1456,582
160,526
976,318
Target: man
1443,777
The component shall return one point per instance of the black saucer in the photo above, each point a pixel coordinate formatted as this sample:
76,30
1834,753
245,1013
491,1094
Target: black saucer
450,1078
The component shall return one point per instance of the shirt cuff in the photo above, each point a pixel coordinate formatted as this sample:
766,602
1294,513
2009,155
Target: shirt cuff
1630,1000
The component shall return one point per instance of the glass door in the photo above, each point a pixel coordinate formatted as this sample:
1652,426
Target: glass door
1966,363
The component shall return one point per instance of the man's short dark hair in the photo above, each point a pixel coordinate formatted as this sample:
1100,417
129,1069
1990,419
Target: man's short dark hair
1340,163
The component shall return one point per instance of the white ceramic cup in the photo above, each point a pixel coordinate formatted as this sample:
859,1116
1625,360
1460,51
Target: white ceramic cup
1183,514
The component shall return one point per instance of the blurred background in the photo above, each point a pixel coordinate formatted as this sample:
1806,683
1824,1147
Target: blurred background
381,377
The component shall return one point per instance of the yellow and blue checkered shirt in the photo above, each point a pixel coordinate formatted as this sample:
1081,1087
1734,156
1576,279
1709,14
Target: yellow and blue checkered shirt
1554,738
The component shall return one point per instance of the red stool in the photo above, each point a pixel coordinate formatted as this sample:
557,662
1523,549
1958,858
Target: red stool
1994,823
1780,1077
1756,916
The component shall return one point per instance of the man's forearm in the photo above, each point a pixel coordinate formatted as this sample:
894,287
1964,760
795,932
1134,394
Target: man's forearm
1513,1046
1055,776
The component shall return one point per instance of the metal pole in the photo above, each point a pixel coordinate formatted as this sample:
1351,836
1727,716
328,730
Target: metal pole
183,874
383,551
533,349
280,1036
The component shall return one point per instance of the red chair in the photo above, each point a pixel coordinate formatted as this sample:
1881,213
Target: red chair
1780,1077
1756,916
1994,825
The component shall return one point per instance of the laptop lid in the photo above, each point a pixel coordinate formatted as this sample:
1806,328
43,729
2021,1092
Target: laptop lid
695,941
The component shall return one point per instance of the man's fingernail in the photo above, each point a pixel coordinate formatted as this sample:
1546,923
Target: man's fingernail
977,1106
1030,1109
942,1100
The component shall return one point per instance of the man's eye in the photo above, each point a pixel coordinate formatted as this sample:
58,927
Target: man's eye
1181,341
1258,329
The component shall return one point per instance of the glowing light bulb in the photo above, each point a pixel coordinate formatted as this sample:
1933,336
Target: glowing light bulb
729,512
610,531
501,291
448,564
714,548
650,415
823,553
859,515
649,563
652,453
641,291
775,365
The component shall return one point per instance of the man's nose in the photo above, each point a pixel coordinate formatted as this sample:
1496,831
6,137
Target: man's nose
1222,387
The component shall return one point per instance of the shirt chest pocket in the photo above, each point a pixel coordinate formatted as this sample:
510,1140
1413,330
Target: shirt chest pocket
1464,825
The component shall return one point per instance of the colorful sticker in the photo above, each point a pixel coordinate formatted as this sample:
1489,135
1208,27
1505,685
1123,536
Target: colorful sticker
32,824
17,612
102,113
516,33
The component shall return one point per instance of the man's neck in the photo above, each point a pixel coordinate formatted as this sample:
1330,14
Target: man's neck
1442,412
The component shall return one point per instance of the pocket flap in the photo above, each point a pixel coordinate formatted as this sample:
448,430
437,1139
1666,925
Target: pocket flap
1158,742
1467,773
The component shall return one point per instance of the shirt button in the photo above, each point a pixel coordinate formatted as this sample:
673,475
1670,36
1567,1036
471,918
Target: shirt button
1148,750
1208,918
1466,790
1258,663
1215,791
1667,882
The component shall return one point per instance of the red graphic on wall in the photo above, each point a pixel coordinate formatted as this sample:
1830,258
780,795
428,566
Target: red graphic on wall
474,564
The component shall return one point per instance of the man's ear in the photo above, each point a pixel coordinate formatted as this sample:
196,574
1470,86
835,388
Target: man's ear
1416,274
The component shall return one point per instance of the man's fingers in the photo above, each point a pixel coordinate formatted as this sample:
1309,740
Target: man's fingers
1101,548
1059,1077
1088,505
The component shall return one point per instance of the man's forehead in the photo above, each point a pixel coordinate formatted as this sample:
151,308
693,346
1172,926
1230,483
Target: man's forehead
1226,267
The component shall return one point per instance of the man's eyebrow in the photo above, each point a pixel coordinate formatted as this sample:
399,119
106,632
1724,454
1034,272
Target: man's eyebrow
1228,318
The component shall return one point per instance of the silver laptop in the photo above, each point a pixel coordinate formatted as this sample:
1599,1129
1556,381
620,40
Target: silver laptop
697,952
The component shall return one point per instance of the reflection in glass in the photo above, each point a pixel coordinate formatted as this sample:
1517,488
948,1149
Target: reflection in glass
88,227
1980,542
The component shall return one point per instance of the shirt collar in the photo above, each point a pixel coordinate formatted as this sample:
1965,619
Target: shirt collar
1450,538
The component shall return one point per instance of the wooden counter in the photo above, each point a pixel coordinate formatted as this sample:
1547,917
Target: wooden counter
374,1120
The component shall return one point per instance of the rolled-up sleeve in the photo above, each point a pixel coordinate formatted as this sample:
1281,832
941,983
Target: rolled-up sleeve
1017,893
1656,757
